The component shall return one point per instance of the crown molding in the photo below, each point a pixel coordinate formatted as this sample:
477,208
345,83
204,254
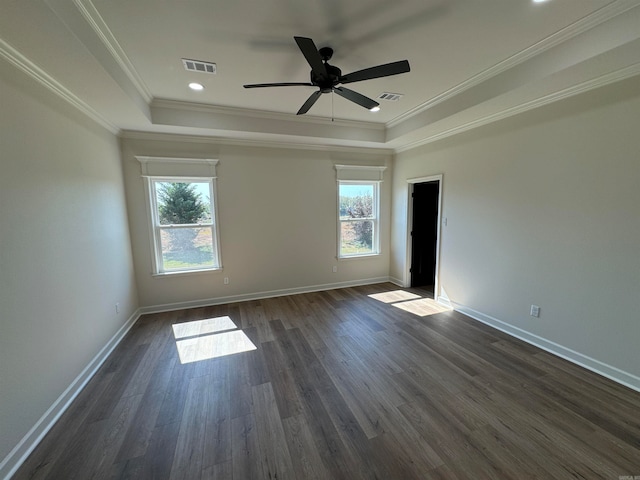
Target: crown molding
15,58
234,142
598,17
601,81
99,26
262,114
82,20
238,122
96,24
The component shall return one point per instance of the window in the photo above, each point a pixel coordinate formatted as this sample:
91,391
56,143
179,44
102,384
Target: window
184,232
358,207
358,210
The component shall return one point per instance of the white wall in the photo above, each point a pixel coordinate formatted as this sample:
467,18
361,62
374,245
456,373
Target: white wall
277,216
544,209
65,257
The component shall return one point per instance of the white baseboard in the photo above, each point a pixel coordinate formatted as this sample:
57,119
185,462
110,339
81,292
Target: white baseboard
21,451
601,368
397,281
167,307
444,301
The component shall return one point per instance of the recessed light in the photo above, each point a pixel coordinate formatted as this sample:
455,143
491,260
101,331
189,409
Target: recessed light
375,109
539,1
196,86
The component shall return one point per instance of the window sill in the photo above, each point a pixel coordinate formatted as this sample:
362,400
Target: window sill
186,272
356,257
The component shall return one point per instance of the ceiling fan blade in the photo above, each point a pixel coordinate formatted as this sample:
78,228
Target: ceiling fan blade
310,52
356,97
385,70
309,103
285,84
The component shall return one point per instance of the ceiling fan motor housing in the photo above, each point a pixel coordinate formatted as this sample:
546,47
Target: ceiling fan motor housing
326,84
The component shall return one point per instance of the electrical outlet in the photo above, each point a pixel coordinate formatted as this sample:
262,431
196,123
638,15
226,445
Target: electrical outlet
535,311
117,307
335,269
226,280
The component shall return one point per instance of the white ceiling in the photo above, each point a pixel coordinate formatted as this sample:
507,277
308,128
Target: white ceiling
472,62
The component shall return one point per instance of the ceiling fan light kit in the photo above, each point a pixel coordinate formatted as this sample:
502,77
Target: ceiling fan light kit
329,78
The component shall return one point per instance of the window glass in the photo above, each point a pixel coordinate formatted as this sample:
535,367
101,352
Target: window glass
185,248
358,218
183,202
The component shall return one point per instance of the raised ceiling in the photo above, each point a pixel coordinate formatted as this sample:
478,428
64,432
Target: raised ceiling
472,62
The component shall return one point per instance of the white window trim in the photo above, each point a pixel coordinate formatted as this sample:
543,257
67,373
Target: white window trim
360,174
205,169
375,219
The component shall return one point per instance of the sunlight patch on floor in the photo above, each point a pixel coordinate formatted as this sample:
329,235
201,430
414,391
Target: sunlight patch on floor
210,338
201,327
410,302
422,307
213,346
394,296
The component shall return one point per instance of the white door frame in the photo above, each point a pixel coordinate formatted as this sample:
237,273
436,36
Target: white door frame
407,274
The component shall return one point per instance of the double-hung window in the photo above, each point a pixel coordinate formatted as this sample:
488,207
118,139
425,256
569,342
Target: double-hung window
358,210
182,210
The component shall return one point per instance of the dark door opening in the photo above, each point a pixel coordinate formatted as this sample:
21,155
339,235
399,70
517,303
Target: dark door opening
424,234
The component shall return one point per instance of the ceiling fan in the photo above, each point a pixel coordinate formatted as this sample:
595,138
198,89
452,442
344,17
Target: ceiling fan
329,78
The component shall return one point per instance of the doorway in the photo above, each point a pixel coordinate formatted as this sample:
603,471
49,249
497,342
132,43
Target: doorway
424,234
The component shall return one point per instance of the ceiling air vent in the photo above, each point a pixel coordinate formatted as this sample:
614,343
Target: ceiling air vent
199,66
390,97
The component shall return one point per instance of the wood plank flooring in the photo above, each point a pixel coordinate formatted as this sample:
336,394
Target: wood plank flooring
371,382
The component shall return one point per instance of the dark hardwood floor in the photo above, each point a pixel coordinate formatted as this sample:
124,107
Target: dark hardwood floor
340,385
